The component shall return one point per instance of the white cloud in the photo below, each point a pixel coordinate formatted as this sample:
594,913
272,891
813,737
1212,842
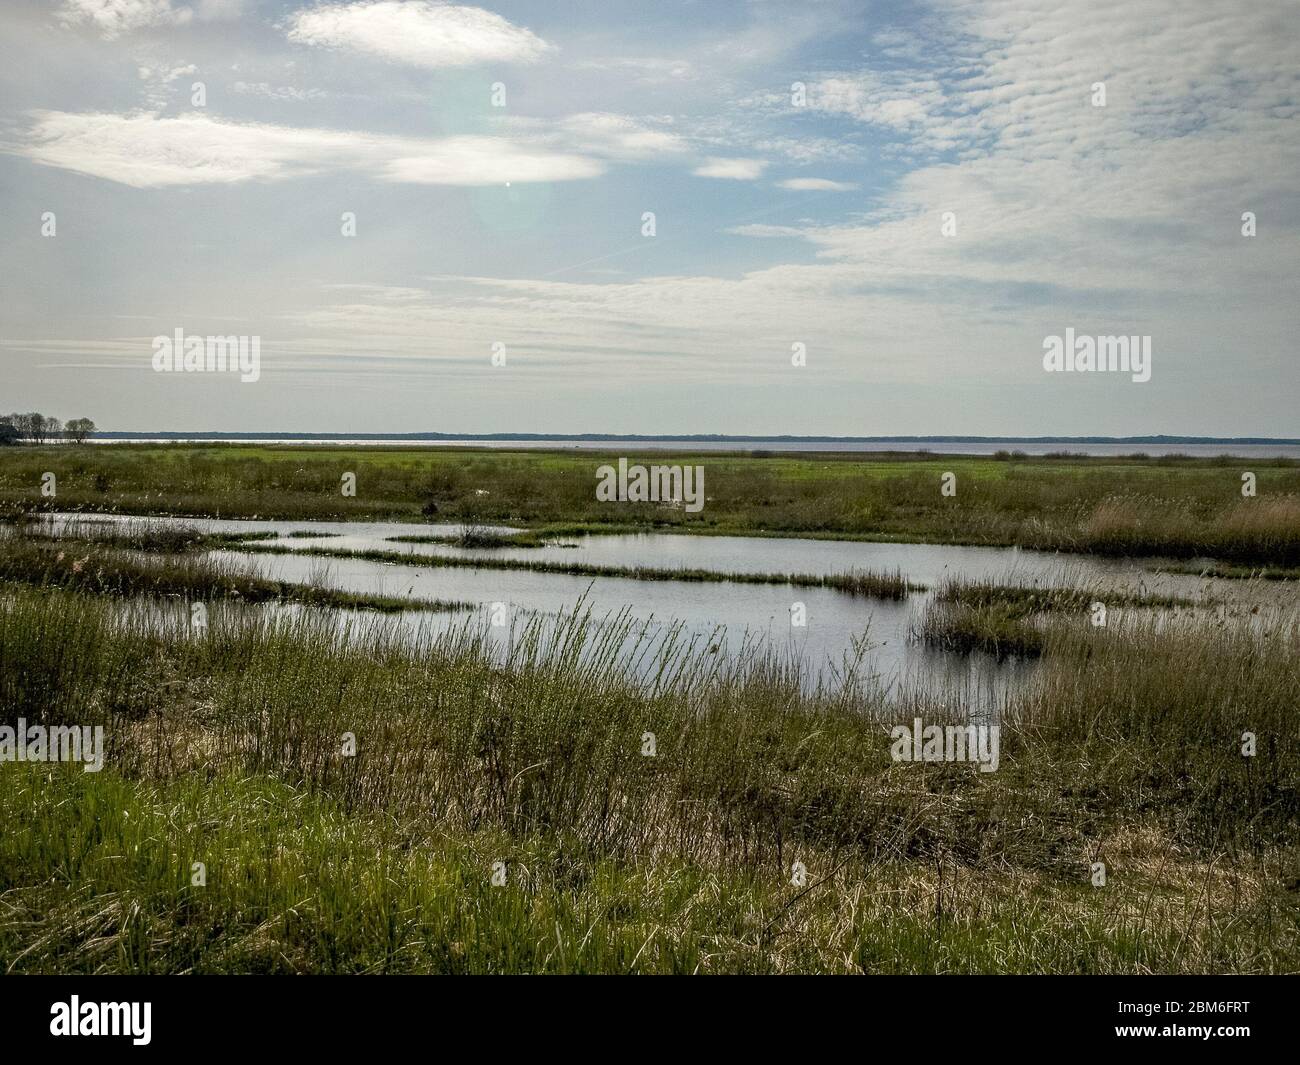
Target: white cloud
165,75
607,135
812,184
1138,197
276,92
417,32
806,149
158,81
1125,218
147,151
115,17
488,161
732,169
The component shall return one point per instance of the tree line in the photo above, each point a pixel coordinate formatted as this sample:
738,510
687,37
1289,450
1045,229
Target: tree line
43,429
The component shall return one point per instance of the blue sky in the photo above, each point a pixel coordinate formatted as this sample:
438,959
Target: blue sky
778,221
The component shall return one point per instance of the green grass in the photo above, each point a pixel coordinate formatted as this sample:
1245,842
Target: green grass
1177,507
294,884
226,748
1009,620
857,582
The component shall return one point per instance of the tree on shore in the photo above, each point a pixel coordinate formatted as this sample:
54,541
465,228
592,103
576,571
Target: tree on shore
42,428
79,429
26,425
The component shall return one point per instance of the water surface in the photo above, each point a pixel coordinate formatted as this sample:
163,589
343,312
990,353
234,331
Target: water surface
723,617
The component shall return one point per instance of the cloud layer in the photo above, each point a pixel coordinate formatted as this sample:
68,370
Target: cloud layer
947,195
149,151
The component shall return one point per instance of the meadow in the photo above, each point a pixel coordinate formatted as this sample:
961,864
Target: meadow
1179,508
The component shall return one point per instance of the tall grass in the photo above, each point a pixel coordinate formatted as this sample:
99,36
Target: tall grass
1244,530
230,744
1012,620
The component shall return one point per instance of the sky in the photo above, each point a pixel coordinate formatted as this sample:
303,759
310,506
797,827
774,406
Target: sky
830,217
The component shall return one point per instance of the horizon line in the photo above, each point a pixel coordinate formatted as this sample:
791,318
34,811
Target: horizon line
1159,438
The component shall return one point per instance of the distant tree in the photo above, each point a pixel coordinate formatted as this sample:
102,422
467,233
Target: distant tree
27,424
43,428
8,434
79,429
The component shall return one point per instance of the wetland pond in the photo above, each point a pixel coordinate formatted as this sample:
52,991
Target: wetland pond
718,614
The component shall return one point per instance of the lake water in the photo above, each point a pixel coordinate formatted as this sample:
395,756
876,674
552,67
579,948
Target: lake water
720,614
1213,449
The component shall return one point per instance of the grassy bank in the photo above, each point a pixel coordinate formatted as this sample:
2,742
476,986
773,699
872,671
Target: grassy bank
1176,507
227,749
91,567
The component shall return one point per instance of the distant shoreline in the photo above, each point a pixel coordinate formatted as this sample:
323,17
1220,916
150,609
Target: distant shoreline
695,438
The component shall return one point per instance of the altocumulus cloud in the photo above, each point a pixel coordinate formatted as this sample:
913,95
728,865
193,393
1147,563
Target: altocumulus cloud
417,32
147,151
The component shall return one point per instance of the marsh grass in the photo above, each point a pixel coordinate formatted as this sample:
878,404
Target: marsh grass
1228,571
226,748
1260,529
483,539
1134,505
1011,620
1067,593
140,534
1002,629
869,583
91,567
152,537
